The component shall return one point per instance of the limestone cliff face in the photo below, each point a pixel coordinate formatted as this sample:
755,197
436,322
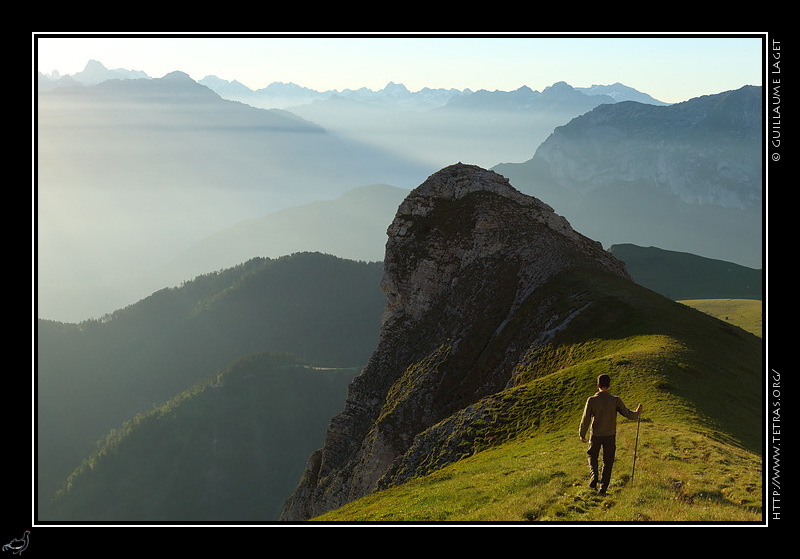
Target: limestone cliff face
465,259
705,151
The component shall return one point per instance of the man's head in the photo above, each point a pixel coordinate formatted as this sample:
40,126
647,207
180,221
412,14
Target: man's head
603,382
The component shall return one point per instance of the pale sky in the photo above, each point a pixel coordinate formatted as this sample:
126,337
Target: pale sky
670,68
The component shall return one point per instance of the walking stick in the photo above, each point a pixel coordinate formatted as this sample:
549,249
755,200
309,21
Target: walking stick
636,445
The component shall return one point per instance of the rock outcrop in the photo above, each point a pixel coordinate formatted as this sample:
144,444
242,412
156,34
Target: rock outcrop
466,261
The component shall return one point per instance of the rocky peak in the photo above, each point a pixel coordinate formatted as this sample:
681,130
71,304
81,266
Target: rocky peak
437,233
455,182
466,273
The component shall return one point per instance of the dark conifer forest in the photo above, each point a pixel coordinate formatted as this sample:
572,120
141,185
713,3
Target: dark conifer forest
313,314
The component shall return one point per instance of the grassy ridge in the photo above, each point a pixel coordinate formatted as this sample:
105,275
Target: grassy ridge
680,475
698,379
744,313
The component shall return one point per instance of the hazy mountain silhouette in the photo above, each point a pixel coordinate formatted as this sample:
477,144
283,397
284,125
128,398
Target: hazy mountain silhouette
156,134
482,127
287,95
93,73
131,172
620,92
352,226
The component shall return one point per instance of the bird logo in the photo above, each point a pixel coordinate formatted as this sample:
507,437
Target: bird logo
17,545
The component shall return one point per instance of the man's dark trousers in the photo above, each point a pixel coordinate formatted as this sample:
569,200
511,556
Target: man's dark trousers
609,446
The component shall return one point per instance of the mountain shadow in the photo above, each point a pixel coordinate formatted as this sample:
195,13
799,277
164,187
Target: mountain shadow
679,275
228,449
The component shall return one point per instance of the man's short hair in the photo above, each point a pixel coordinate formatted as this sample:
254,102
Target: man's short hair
604,381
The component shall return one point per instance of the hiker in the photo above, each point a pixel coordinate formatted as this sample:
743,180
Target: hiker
601,414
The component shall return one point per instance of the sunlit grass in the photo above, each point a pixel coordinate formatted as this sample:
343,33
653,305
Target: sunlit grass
680,476
696,457
744,313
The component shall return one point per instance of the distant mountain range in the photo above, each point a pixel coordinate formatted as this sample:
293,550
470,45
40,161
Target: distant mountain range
430,127
484,127
93,73
173,132
280,95
132,172
152,168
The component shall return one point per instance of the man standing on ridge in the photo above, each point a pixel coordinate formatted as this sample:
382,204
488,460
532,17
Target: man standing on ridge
601,414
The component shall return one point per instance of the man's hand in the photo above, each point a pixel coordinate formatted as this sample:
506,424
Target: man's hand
583,440
639,409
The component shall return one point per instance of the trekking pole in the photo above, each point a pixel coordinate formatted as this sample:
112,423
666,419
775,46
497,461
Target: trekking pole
636,445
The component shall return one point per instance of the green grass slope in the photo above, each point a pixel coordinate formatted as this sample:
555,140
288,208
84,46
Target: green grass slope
700,440
747,314
680,476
